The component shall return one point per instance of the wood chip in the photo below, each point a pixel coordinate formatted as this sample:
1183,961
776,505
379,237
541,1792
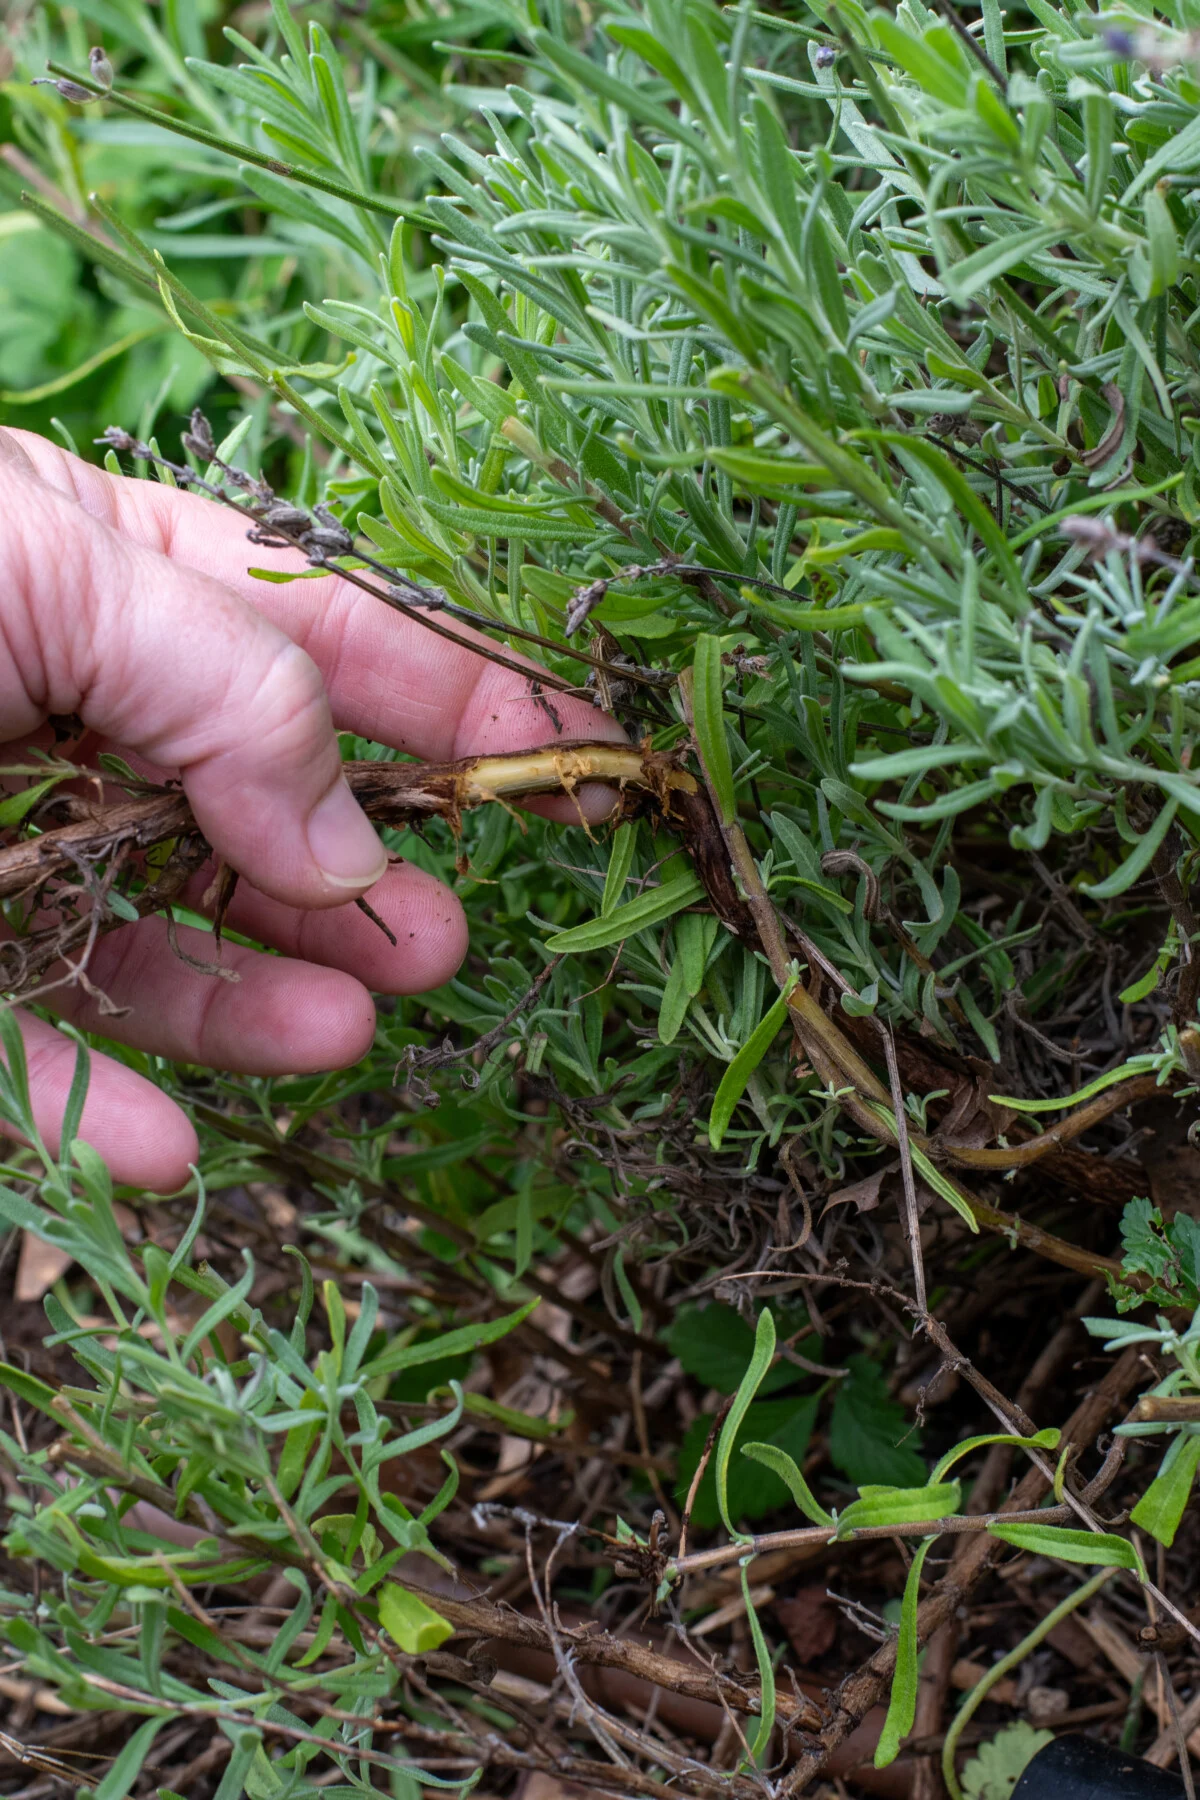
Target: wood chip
732,1609
43,1699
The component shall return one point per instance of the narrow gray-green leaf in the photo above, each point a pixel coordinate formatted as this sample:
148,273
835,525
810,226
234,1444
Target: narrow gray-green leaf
983,265
648,909
620,857
675,1001
695,934
733,1081
708,717
128,1765
399,1356
1137,861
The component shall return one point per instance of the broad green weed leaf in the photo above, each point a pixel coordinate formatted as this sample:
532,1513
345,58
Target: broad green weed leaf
1069,1545
869,1435
994,1770
716,1345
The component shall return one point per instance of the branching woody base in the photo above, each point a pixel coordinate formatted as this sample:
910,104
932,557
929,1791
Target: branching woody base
69,875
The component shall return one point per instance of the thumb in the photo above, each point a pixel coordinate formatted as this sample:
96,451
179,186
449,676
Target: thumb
165,661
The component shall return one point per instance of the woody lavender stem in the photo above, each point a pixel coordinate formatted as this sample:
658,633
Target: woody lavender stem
396,793
834,1059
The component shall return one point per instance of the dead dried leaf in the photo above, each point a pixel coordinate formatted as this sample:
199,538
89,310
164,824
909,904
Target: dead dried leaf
38,1268
810,1619
1092,459
538,1785
862,1195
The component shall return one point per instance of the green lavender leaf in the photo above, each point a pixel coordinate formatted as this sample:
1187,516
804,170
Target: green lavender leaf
902,1703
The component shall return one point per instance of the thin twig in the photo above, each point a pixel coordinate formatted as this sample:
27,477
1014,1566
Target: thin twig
817,1536
950,13
445,1057
912,1217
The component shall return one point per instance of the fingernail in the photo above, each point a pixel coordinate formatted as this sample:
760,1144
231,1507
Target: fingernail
343,840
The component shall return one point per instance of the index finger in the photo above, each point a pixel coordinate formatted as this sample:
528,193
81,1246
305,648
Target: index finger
388,677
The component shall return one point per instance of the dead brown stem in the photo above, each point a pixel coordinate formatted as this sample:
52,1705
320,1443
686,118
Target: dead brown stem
1158,1407
397,793
391,793
818,1536
838,1064
1015,1156
481,1618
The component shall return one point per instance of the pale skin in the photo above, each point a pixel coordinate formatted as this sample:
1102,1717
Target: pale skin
129,605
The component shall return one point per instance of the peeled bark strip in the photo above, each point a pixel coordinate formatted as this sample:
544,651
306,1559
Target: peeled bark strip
389,793
90,852
104,837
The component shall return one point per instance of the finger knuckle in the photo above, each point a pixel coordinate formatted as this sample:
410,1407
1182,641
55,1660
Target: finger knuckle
290,705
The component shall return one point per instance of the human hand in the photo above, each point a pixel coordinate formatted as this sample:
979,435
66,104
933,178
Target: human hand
128,604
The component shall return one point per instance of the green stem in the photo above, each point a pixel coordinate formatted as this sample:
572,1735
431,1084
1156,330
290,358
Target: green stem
392,209
982,1688
240,346
94,248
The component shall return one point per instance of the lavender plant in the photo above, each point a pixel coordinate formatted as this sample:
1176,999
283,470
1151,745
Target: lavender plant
818,393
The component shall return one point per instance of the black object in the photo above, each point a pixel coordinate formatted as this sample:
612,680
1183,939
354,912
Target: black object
1078,1768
